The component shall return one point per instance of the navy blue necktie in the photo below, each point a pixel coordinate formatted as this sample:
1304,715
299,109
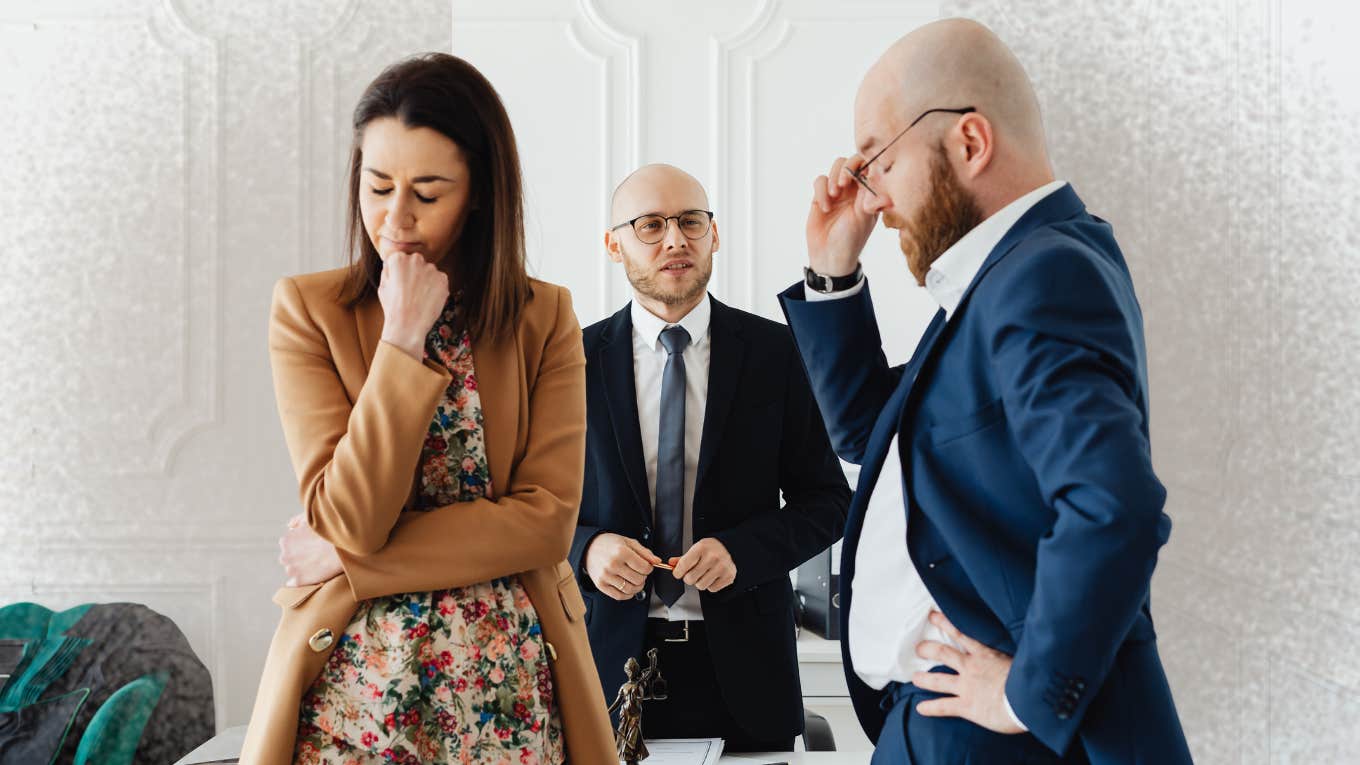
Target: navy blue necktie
670,465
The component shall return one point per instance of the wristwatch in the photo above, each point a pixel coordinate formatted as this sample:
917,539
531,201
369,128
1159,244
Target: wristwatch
823,283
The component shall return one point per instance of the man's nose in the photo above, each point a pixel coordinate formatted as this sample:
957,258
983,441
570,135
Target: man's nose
870,203
673,238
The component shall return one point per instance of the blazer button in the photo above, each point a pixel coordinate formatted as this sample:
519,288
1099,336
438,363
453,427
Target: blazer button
640,596
646,535
321,640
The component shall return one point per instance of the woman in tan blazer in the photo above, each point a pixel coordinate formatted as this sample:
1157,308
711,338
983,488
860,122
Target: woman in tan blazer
433,401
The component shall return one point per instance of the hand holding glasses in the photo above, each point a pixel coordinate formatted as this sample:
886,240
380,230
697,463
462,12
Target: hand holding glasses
837,226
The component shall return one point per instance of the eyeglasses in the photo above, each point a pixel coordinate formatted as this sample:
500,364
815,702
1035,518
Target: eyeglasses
861,173
651,228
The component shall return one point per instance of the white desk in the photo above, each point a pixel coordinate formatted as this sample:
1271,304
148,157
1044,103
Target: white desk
227,744
797,758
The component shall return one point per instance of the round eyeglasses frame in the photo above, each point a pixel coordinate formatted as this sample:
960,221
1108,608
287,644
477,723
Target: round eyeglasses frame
666,220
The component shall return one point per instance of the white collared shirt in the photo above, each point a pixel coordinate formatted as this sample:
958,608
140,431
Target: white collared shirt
890,610
649,361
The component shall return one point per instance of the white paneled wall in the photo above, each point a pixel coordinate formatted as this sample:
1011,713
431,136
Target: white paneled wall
163,162
753,97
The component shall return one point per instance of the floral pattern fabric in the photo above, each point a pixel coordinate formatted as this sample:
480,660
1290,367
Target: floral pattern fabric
451,676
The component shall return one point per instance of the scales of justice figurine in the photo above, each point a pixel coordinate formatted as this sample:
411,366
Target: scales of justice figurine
641,685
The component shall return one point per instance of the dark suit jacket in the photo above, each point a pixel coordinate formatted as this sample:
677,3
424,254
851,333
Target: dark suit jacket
762,434
1033,514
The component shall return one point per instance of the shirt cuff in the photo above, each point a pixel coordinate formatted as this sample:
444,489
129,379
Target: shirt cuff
1011,712
813,296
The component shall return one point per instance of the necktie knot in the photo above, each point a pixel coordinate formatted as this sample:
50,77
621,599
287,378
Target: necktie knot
674,338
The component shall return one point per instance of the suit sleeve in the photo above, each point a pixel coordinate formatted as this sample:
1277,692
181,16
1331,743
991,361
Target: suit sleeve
768,545
354,461
842,353
529,526
1068,361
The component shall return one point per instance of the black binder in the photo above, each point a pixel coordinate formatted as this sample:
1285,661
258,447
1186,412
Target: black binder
818,593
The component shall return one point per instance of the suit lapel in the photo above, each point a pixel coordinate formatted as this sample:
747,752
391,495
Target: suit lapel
726,351
501,386
924,348
1062,204
368,321
614,358
888,424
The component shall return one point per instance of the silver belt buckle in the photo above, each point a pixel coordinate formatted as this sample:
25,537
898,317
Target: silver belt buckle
684,639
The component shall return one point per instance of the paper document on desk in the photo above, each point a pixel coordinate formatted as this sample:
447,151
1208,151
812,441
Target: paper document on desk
684,751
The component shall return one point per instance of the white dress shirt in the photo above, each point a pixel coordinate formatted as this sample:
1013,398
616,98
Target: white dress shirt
649,361
890,609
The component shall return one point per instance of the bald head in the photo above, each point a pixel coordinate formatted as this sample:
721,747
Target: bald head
656,188
668,266
954,63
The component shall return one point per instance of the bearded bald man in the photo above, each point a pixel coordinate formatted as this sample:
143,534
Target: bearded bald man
1004,531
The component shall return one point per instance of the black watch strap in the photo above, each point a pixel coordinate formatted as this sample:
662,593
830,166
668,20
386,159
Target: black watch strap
823,283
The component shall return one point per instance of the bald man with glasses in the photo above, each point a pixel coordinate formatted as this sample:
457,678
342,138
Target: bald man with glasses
699,418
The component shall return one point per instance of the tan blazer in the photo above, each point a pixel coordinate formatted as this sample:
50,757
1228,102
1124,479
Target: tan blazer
355,411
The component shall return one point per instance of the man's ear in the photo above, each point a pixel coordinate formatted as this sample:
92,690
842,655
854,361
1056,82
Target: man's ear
613,247
974,143
714,224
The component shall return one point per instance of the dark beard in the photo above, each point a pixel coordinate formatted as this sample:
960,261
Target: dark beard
647,286
948,214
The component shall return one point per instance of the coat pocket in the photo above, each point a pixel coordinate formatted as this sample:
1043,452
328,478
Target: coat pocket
953,429
570,594
772,597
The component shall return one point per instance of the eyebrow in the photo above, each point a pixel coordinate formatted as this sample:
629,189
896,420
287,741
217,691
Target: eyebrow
421,179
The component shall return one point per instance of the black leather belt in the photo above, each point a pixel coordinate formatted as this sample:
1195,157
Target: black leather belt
673,632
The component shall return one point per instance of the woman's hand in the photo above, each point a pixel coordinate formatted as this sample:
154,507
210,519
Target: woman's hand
413,292
306,557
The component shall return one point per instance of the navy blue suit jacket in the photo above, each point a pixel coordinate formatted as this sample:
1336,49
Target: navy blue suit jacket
1033,513
762,435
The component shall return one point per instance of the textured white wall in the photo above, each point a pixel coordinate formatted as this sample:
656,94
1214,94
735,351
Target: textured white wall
162,162
1219,140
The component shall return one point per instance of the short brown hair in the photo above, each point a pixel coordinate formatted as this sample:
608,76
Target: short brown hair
447,94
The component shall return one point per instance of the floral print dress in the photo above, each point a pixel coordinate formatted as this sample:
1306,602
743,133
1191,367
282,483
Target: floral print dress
450,676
